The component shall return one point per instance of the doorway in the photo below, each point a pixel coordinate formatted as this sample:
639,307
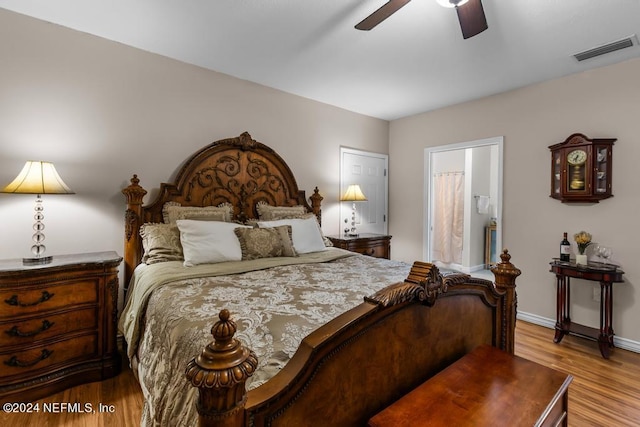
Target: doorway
369,171
478,164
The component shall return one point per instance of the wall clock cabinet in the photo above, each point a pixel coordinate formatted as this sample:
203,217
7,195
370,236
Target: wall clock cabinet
581,169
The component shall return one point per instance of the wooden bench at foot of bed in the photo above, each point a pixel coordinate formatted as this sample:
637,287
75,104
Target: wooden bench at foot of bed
485,388
359,363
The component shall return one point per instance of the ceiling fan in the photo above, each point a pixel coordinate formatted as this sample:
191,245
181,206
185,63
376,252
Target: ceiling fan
470,15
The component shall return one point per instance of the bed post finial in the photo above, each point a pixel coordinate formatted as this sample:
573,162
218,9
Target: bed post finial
316,200
505,275
132,222
220,373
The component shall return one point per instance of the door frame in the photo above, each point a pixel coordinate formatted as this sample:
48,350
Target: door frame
428,185
346,213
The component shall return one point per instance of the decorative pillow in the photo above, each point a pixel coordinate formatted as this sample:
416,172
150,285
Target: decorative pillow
161,243
276,213
305,233
208,242
173,211
267,212
265,242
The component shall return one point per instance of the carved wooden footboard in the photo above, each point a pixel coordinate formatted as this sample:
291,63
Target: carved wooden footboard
360,362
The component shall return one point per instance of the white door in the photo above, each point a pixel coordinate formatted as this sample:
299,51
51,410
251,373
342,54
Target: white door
369,170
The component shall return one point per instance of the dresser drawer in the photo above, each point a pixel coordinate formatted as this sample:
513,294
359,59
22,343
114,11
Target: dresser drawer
28,331
27,300
21,363
374,251
58,324
375,245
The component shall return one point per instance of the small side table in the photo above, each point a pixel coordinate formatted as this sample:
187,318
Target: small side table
606,274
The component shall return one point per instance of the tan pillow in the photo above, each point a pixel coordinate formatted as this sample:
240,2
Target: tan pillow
292,215
161,243
173,211
267,212
275,213
265,242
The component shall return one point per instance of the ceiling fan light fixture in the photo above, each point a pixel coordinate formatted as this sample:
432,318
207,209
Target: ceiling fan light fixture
451,3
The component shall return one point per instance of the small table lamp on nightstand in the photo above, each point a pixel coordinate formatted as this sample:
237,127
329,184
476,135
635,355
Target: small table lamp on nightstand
353,194
38,178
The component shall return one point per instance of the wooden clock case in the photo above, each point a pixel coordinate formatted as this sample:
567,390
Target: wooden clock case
581,169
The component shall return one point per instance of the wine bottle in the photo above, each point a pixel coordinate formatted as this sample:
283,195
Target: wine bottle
565,248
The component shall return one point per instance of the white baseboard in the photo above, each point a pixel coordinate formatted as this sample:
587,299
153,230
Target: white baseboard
623,343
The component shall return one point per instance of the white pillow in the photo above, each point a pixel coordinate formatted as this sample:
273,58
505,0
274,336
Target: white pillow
207,242
305,233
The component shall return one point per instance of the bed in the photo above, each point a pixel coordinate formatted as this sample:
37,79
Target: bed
306,328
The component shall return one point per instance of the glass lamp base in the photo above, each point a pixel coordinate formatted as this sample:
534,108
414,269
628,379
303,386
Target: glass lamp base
37,261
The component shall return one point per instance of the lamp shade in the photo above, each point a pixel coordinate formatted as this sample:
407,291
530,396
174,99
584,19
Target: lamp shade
353,194
38,177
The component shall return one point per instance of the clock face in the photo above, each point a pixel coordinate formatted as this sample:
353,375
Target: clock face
577,157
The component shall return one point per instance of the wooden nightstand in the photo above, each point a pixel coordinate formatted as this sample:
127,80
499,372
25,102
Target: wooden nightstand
376,245
58,324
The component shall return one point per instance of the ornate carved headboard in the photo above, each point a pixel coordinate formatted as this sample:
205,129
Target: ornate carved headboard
240,171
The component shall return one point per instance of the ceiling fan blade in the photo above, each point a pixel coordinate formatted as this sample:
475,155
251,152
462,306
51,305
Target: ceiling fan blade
385,11
472,19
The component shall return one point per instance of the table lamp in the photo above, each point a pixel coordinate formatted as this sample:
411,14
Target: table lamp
353,194
38,178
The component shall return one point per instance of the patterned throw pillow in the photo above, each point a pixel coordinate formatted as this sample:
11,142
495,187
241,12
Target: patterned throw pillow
265,242
274,213
305,233
267,212
173,211
161,243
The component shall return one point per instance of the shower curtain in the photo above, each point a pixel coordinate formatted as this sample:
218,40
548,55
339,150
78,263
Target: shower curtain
448,217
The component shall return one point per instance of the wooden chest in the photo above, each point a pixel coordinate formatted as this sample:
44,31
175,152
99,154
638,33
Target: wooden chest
487,387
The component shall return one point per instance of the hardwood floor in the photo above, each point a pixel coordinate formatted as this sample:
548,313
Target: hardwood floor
604,393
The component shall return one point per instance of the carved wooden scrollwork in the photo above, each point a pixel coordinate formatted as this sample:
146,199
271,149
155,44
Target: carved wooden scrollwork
130,223
242,180
424,284
245,142
397,294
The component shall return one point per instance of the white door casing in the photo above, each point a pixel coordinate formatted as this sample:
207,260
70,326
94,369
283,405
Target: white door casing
370,171
430,154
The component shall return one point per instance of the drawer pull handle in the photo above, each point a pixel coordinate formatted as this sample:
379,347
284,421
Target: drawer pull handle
15,332
14,300
14,362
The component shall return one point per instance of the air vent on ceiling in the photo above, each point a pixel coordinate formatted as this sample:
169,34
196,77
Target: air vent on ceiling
607,48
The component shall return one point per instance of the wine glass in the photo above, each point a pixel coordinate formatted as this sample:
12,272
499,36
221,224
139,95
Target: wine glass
604,252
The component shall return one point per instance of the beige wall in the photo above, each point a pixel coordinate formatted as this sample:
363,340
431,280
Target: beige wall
98,109
102,111
599,103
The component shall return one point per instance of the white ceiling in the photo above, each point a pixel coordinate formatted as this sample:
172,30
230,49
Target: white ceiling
413,62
